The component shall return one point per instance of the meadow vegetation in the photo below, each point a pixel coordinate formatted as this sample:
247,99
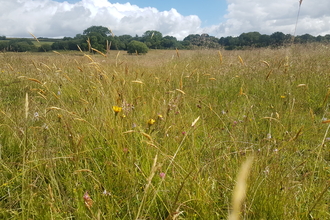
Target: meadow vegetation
163,136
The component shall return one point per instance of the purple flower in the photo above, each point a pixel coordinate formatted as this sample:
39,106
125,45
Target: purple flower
162,175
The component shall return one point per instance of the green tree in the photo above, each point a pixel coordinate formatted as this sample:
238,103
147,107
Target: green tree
229,43
97,29
21,45
169,42
183,45
277,39
152,39
306,38
193,39
59,45
45,48
125,39
203,40
66,44
249,39
3,46
97,41
137,47
326,38
264,40
115,43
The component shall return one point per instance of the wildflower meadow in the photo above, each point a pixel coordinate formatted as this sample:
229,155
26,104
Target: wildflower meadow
173,134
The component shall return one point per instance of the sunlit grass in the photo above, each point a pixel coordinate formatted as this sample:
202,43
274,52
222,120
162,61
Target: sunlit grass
164,135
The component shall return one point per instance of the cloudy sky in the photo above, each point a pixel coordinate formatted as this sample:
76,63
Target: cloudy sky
179,18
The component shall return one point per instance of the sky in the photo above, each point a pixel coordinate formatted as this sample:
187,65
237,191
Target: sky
178,18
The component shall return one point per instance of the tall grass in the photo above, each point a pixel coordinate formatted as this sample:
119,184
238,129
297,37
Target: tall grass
163,136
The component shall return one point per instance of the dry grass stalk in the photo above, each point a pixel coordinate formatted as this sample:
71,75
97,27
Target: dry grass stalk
34,64
241,91
177,52
67,77
220,57
117,58
99,52
108,46
11,68
89,57
265,62
112,34
42,95
179,90
89,44
326,121
46,66
241,60
34,37
79,48
26,105
56,52
81,70
239,192
35,80
297,135
195,121
269,73
147,136
137,81
181,82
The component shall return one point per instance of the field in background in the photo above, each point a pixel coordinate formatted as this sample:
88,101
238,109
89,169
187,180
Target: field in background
164,135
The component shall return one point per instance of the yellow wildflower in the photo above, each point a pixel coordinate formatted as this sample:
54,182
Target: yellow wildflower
116,109
151,122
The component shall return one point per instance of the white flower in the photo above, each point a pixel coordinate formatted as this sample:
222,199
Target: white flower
45,126
106,193
36,116
269,136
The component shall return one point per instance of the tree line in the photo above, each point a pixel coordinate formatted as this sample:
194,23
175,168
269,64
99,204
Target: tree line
101,38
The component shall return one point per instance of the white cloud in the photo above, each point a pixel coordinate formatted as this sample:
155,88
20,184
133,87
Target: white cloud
48,18
268,17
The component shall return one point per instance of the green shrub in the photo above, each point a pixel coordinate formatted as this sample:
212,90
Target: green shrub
137,47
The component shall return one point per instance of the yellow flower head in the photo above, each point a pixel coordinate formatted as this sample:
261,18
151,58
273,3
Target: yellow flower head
116,109
151,121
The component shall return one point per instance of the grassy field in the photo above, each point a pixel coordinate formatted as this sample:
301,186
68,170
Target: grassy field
167,135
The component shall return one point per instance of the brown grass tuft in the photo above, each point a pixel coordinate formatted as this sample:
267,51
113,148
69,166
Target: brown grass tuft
239,192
